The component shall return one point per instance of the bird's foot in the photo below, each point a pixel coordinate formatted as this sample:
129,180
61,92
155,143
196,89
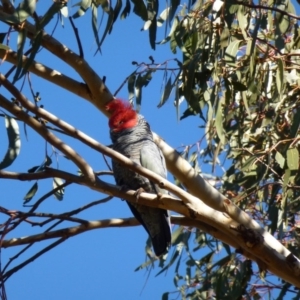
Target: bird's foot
138,193
159,196
123,188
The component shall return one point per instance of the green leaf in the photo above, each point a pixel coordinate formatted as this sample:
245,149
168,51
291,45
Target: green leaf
140,9
109,24
295,124
172,30
126,10
224,38
231,51
21,42
64,11
166,93
219,121
4,47
284,24
59,194
116,12
152,34
141,81
280,159
152,10
174,6
35,48
144,265
177,235
31,193
292,159
177,100
188,112
51,12
84,6
25,10
95,26
238,86
243,21
105,4
2,37
138,92
14,142
46,163
233,8
176,253
131,83
163,17
227,248
279,76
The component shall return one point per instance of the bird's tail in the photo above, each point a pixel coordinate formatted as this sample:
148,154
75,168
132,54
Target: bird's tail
156,221
161,242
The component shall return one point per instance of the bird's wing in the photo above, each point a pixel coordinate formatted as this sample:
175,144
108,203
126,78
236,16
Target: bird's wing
152,159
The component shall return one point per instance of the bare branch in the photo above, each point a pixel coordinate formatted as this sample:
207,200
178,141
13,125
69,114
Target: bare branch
31,259
51,75
71,231
46,134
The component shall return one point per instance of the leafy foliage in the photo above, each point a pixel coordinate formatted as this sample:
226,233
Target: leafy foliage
239,73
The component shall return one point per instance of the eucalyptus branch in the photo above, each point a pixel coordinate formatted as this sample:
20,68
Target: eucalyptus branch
46,134
126,222
31,259
71,231
90,77
176,164
263,248
51,75
195,207
51,217
258,250
70,213
77,210
220,203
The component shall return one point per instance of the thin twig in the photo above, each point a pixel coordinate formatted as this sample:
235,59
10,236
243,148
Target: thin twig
32,258
75,29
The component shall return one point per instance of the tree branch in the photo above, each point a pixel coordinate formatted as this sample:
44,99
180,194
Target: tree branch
51,75
192,180
46,134
258,250
262,249
178,166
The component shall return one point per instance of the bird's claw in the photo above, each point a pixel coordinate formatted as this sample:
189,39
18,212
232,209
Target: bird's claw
123,188
138,193
159,196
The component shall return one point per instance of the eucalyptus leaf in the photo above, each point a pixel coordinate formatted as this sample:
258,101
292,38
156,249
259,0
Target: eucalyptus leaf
59,194
292,159
31,193
14,142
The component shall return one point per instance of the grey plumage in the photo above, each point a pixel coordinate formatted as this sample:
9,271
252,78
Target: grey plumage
137,144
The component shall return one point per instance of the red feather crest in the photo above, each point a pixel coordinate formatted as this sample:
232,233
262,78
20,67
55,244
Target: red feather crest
123,116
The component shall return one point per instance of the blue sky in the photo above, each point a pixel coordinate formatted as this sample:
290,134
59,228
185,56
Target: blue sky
98,264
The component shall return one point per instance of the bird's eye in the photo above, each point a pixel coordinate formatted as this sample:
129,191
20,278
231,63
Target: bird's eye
121,122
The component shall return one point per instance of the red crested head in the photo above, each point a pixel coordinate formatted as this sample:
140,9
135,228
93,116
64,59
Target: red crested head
117,105
123,116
